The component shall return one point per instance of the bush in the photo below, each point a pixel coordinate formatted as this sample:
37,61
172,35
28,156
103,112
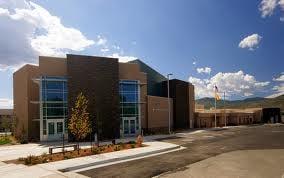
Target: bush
102,149
132,145
131,142
67,156
4,140
31,160
21,159
117,148
95,151
44,158
23,141
139,140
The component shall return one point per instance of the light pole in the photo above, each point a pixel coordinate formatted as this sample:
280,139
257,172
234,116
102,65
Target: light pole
169,102
225,109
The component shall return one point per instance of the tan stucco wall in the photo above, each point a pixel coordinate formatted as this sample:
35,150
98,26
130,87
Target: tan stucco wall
52,66
24,91
129,71
158,118
233,117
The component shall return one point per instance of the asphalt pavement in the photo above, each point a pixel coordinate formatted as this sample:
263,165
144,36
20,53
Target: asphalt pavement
200,145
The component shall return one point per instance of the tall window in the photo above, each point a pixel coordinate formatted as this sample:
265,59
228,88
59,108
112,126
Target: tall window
129,100
53,99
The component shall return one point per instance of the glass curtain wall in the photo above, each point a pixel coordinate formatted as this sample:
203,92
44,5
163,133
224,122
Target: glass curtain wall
129,105
53,103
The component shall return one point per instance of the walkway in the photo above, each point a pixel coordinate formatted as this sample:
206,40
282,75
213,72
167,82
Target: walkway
70,166
15,151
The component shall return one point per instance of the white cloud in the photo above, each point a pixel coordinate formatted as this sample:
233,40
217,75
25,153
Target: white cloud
280,78
279,88
104,50
6,103
206,70
237,83
116,47
278,91
101,41
267,7
28,30
123,58
250,42
281,4
4,11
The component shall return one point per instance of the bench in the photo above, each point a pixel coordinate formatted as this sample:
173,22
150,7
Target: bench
75,147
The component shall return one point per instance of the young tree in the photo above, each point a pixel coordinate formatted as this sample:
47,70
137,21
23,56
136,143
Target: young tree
79,124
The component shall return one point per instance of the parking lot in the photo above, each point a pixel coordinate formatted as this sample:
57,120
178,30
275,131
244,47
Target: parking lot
199,145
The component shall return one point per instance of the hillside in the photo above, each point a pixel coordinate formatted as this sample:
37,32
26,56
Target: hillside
246,103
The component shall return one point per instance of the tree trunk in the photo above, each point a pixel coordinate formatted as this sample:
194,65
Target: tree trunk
78,147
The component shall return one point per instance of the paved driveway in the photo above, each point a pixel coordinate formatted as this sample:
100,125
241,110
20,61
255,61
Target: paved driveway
240,164
199,146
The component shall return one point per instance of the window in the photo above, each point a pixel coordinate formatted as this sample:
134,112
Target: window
59,127
51,128
129,100
54,96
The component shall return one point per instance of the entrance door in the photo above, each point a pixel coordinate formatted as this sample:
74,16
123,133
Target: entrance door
55,129
129,126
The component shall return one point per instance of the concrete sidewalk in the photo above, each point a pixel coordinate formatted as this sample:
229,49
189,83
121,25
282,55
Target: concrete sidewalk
94,160
52,169
22,171
16,151
241,164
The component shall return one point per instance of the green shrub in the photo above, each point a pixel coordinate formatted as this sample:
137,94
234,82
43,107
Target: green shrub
131,142
31,160
21,159
23,141
101,148
4,140
67,156
95,150
117,148
43,158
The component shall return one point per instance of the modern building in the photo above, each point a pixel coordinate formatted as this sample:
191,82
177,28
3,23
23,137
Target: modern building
6,119
124,98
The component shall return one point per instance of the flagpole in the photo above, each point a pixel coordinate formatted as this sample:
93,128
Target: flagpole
215,105
225,109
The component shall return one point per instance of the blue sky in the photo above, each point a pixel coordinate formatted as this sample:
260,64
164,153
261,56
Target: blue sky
181,37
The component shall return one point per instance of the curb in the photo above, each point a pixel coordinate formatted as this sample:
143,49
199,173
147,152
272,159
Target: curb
117,159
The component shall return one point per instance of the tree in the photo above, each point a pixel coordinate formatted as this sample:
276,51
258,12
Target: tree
79,124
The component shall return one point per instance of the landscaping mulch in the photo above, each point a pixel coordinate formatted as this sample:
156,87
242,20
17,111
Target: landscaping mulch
46,158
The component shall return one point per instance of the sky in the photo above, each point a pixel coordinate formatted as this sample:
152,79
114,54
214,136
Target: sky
236,45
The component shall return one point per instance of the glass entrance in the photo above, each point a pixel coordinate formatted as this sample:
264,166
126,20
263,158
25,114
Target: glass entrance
55,129
129,126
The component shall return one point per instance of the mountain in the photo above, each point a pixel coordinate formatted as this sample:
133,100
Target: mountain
246,103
